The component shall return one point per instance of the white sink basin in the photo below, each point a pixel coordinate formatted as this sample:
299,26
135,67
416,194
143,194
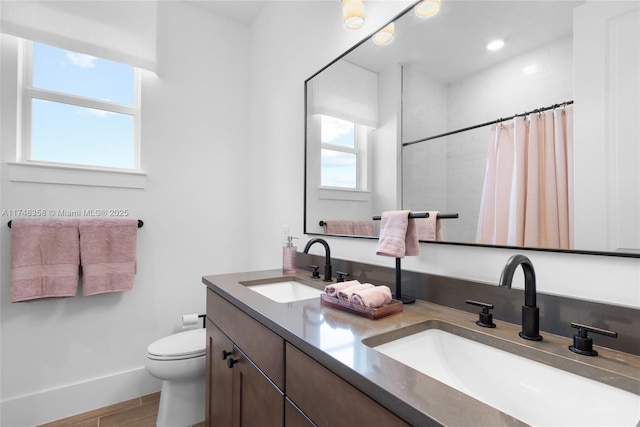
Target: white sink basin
533,392
287,290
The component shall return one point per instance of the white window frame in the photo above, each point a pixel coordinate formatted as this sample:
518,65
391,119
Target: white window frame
27,170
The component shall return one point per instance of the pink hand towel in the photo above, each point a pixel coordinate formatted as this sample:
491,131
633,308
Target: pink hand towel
108,254
338,227
430,228
332,290
373,297
398,235
346,293
45,258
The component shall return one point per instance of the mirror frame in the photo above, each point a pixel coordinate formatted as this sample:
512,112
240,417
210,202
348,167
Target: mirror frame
304,222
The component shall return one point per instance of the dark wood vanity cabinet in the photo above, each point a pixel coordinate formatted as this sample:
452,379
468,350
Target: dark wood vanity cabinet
246,385
294,417
256,401
245,373
327,399
219,378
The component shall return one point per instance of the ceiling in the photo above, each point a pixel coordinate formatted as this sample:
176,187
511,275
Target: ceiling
241,11
452,44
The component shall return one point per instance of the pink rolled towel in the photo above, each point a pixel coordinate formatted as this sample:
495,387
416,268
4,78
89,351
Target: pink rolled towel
108,255
45,258
332,290
346,293
373,297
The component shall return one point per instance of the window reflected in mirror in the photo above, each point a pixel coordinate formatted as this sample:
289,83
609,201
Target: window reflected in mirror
341,142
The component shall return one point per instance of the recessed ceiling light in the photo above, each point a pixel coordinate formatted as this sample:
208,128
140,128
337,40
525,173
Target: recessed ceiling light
495,45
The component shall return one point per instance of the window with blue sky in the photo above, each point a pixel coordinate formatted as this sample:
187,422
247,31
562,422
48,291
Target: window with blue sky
82,109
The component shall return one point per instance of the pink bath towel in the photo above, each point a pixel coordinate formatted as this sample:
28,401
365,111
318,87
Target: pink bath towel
373,297
108,255
429,228
398,235
363,228
346,293
341,226
45,258
332,290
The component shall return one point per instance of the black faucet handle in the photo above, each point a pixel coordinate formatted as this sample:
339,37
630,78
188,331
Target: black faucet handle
316,272
583,343
486,318
341,275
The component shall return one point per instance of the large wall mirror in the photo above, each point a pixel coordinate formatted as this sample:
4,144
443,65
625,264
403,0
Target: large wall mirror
534,145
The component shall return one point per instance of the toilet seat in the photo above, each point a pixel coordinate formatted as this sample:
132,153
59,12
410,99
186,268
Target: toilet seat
180,346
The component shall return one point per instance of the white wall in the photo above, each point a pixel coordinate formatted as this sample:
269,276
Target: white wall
386,182
61,357
290,42
607,201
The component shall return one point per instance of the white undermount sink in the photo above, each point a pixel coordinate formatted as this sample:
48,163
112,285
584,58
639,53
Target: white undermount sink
533,392
283,289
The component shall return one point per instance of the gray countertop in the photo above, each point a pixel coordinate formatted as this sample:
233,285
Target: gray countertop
334,338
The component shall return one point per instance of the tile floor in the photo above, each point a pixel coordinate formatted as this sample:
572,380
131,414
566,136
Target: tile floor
138,412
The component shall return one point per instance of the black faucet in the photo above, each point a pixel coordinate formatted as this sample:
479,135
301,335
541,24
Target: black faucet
530,312
327,252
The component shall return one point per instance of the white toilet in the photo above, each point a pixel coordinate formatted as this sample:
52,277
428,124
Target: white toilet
179,361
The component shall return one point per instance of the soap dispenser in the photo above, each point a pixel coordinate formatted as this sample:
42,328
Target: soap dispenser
289,254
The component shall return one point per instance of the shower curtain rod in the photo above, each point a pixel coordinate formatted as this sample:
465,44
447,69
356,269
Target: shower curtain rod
538,110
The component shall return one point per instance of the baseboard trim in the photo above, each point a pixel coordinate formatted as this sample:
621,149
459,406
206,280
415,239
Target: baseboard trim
62,402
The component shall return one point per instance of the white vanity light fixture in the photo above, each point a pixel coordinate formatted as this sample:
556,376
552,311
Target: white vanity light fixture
353,13
385,35
495,45
427,8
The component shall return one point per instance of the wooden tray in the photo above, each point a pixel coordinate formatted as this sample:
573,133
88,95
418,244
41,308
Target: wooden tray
393,307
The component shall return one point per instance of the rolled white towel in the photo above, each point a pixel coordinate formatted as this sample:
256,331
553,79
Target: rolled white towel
332,290
373,297
344,294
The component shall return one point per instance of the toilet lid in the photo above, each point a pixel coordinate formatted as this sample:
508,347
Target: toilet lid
179,346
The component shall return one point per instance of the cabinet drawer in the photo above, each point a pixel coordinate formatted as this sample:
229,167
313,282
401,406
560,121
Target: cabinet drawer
264,347
327,399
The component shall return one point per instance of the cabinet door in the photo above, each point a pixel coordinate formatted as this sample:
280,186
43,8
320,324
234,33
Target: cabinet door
219,378
293,417
257,341
257,402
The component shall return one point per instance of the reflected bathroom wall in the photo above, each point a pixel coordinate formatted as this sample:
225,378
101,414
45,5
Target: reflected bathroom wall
447,173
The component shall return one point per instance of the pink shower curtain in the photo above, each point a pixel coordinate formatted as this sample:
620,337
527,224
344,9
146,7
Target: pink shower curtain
528,189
